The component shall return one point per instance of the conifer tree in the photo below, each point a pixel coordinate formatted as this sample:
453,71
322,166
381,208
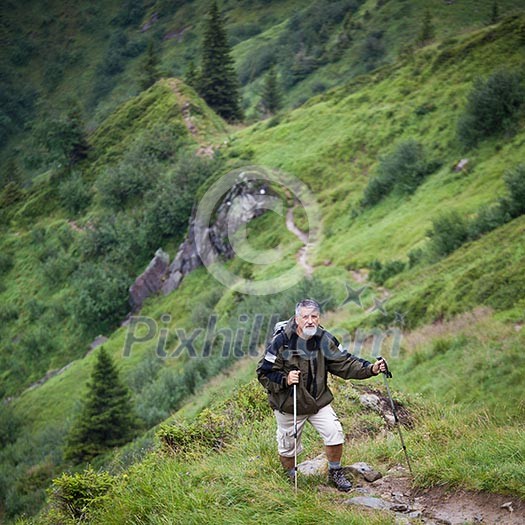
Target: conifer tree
494,15
79,145
192,76
218,84
107,419
427,31
271,96
150,73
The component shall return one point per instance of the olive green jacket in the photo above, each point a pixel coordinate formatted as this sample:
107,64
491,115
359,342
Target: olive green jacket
314,357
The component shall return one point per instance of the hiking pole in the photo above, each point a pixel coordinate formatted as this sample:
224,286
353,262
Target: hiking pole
386,374
295,435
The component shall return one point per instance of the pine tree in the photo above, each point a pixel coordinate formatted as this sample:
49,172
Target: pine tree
494,15
427,32
107,419
150,72
271,96
192,76
218,83
78,138
62,135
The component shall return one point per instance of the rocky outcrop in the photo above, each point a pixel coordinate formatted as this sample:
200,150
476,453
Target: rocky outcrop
242,203
150,280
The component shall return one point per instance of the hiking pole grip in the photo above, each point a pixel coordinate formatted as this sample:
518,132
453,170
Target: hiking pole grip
387,372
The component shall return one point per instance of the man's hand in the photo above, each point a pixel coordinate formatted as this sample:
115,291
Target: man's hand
293,377
379,366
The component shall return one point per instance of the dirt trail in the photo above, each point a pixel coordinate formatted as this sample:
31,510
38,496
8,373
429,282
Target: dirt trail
435,506
302,254
439,506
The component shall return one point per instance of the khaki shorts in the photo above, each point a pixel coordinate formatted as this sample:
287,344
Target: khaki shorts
325,422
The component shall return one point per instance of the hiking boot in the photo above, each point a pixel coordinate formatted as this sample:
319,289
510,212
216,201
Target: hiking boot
290,475
337,477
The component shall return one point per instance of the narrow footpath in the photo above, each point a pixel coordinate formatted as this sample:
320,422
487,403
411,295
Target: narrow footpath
302,254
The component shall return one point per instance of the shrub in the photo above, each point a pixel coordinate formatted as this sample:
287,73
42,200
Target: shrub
58,268
139,167
372,50
404,169
22,51
17,102
213,427
449,231
6,262
161,142
514,204
161,396
488,218
415,256
101,296
248,403
37,342
170,201
208,430
75,496
492,106
61,137
117,186
130,13
74,194
377,188
8,312
382,272
123,240
10,424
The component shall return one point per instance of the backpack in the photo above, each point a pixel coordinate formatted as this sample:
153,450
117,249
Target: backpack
279,329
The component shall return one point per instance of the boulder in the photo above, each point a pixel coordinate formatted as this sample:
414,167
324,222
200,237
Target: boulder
312,467
242,203
461,165
365,471
150,280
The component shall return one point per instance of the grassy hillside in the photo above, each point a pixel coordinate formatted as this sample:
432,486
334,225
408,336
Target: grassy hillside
95,54
75,239
470,437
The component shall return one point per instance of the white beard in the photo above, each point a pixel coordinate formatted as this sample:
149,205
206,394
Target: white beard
310,331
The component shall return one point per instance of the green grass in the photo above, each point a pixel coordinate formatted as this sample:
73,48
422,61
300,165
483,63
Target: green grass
470,438
461,380
463,385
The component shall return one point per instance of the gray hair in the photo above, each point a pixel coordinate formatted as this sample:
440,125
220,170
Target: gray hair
307,303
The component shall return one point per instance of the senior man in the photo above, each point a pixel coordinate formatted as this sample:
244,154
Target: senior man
302,353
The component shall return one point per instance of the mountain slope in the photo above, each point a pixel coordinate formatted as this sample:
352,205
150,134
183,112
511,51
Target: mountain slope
335,143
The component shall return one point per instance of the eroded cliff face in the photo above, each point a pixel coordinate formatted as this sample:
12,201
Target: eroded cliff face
242,203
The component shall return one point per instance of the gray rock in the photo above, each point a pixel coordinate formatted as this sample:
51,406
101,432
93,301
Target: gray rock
99,340
150,280
370,401
461,165
242,203
172,282
313,467
372,503
364,470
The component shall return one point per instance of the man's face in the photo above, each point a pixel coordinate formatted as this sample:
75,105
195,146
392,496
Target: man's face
307,322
